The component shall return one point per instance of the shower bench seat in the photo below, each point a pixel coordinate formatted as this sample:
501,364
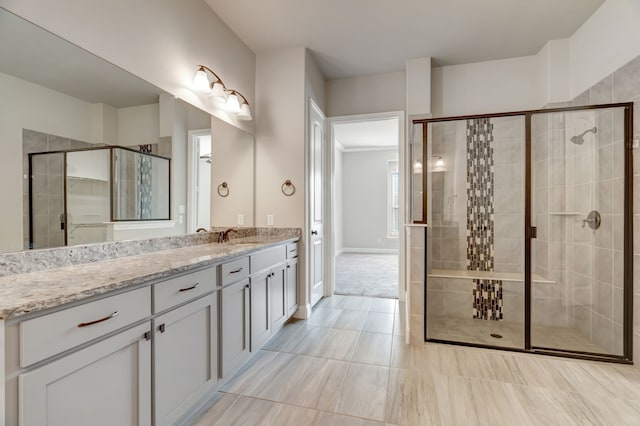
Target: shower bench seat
486,275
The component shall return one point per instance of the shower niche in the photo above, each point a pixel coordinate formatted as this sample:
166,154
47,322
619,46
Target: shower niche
528,231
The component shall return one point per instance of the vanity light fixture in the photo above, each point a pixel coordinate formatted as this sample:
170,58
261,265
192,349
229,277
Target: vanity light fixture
439,165
219,92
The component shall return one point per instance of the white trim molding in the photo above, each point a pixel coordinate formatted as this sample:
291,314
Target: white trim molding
369,251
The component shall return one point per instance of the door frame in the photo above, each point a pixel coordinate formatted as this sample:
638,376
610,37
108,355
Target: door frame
192,175
329,189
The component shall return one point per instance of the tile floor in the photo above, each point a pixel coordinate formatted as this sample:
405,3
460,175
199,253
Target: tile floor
348,365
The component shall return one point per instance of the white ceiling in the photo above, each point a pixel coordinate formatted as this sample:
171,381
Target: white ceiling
372,134
45,59
360,37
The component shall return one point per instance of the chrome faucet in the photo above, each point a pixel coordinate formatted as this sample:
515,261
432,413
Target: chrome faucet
223,236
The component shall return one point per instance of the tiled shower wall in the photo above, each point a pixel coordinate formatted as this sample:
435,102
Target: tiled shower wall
597,302
48,186
448,209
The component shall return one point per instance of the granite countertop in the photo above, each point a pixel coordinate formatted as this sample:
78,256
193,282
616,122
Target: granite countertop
34,291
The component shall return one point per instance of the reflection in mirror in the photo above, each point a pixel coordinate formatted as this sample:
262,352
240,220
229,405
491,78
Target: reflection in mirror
232,162
140,186
55,96
220,171
87,196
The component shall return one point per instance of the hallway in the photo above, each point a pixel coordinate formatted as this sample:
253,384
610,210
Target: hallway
348,365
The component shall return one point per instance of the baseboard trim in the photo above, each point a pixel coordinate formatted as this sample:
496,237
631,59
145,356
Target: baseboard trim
303,312
369,251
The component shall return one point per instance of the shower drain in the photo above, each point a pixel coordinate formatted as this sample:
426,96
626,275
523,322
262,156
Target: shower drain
497,336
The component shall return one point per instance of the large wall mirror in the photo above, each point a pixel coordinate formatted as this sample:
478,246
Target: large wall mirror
59,99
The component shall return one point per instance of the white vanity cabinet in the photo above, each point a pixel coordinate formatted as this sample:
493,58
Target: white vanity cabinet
100,368
292,280
234,316
268,293
149,355
108,383
185,344
278,296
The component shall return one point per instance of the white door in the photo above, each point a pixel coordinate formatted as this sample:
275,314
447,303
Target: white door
316,237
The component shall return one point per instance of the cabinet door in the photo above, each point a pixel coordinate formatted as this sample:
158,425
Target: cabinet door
107,383
234,327
185,354
278,294
292,287
260,321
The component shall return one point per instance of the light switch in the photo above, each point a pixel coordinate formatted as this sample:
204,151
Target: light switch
240,219
269,220
181,209
180,219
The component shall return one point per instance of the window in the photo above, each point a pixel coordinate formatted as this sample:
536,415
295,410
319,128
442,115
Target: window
393,204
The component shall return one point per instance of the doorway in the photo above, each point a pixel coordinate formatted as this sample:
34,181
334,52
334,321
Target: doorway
199,200
366,212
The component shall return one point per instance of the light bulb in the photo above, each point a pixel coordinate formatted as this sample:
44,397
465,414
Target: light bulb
245,112
201,81
218,93
233,106
417,167
439,162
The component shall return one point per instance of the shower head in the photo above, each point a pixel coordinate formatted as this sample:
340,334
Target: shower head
579,139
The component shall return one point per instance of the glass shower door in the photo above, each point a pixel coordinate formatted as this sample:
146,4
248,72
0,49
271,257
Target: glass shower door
577,208
87,194
46,198
475,211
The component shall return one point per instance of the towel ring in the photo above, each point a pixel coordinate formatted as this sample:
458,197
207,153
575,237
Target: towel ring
288,188
223,189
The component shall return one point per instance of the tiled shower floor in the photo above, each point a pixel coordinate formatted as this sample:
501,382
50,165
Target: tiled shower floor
477,331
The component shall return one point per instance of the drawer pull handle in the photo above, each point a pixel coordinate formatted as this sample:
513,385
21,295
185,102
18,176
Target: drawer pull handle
236,271
85,324
196,285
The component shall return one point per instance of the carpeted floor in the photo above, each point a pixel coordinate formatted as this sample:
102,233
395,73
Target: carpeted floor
373,275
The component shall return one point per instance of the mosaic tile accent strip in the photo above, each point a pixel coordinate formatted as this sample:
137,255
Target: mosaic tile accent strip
144,187
487,295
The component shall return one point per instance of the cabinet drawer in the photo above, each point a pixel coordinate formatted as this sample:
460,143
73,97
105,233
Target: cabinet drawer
292,250
234,271
50,334
267,258
183,288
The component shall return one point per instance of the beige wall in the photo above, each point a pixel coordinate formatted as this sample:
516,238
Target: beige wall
24,105
160,41
486,87
604,43
280,83
366,94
